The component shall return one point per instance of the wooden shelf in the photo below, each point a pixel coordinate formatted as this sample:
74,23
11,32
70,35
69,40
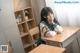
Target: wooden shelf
27,8
29,44
29,20
21,22
25,20
22,9
24,34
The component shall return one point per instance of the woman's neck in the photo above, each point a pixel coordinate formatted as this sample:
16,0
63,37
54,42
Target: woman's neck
50,22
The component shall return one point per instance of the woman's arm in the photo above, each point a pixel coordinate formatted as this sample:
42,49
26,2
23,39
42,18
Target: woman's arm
58,29
45,31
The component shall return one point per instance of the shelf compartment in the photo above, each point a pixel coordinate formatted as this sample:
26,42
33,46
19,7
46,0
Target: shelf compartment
22,28
19,16
31,24
26,40
28,13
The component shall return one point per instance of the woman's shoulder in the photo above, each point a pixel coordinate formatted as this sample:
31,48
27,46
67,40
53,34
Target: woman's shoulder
42,23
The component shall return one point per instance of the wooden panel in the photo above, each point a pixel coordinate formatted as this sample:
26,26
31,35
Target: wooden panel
21,4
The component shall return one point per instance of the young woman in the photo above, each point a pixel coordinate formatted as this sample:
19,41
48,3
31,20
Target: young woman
49,26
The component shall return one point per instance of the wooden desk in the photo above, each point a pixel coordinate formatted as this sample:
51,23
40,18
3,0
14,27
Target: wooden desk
47,49
67,37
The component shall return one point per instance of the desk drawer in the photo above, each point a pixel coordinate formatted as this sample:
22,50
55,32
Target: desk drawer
53,43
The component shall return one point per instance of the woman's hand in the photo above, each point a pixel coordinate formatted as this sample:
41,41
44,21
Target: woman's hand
51,33
58,29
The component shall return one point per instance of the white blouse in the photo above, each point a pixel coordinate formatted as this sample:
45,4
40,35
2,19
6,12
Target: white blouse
45,31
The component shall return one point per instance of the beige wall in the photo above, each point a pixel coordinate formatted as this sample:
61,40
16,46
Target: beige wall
37,6
8,27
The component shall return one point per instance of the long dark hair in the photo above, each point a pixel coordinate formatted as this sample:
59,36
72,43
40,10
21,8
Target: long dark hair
45,12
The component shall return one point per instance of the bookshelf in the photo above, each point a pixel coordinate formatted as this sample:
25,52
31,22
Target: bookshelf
26,23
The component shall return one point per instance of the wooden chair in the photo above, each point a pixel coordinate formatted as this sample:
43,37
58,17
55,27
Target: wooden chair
35,32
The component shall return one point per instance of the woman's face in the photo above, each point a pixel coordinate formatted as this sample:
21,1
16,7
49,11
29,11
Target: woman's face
50,17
